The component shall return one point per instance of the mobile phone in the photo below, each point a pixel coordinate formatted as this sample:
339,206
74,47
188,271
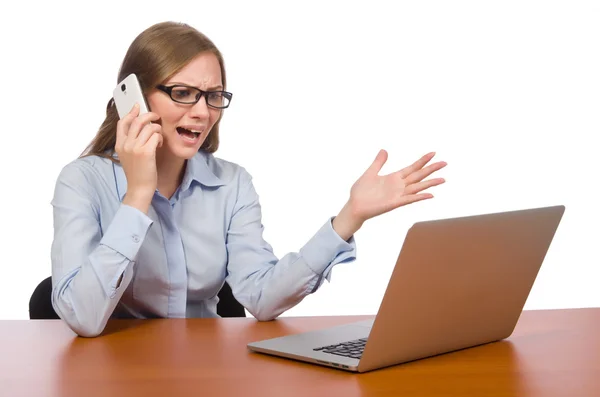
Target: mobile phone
127,93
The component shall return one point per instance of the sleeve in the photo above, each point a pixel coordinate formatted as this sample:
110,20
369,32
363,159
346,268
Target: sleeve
265,285
90,270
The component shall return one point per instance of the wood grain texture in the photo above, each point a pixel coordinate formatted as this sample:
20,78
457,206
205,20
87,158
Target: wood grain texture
551,353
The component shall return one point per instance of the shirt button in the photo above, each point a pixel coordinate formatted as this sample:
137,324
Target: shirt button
135,238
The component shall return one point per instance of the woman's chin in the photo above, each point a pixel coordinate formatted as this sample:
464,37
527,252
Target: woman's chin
184,152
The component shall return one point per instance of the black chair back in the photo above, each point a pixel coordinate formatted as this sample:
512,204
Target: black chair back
40,303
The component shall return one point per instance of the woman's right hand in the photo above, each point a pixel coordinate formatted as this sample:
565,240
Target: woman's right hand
137,140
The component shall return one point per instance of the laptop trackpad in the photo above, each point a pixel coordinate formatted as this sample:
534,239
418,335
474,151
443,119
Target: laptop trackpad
338,334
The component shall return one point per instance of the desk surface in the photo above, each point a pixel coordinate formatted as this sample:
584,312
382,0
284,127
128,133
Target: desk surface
551,353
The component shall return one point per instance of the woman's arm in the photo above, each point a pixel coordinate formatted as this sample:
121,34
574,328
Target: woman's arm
265,285
268,286
90,270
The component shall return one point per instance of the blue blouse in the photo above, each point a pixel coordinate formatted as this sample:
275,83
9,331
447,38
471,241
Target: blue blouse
174,260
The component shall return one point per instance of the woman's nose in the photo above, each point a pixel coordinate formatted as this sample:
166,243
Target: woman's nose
200,108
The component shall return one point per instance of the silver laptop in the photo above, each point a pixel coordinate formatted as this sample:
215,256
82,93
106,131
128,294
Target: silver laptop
457,283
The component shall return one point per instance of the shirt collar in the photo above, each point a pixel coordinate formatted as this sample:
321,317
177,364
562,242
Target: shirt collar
197,169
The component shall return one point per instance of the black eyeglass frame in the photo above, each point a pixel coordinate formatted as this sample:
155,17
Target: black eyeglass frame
169,90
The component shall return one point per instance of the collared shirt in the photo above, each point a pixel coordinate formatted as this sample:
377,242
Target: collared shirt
174,260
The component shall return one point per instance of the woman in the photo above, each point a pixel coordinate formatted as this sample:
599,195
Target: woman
148,223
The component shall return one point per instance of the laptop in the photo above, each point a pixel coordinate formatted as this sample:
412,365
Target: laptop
457,283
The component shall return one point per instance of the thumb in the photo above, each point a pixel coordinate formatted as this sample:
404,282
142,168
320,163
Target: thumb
378,163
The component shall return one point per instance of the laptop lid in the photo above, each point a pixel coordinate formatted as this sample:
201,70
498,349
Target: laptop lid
459,283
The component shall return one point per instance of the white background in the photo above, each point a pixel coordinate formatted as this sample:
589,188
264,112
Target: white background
508,93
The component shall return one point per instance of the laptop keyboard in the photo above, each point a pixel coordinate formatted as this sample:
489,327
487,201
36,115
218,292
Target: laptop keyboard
352,349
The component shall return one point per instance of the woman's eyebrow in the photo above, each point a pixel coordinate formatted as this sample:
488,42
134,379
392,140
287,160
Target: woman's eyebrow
214,88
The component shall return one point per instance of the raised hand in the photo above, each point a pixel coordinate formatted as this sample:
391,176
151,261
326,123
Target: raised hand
373,194
137,140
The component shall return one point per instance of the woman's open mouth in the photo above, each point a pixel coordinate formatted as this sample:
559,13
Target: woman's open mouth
189,136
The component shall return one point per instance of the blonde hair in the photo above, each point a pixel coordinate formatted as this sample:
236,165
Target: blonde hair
154,56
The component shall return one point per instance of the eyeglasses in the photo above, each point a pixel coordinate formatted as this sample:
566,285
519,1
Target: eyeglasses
191,95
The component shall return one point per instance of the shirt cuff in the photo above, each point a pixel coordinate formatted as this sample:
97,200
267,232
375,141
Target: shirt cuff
326,248
127,231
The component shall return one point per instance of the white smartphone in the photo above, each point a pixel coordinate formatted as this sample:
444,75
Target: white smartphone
127,93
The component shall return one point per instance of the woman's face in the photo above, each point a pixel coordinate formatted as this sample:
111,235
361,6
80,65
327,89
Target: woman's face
184,126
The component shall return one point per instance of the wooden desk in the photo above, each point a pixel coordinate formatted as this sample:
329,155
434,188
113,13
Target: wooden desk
551,353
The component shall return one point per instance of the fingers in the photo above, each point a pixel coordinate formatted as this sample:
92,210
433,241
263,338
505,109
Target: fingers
417,165
124,124
378,163
413,198
418,187
139,123
421,174
135,130
156,140
148,131
129,128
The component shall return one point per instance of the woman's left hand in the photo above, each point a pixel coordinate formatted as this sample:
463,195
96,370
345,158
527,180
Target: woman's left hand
373,194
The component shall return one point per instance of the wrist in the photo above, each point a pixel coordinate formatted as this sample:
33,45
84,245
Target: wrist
138,199
346,223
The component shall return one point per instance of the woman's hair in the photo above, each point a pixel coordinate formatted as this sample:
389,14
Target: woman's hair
155,55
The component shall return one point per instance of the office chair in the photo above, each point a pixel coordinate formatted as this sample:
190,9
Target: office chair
40,303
